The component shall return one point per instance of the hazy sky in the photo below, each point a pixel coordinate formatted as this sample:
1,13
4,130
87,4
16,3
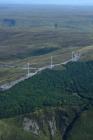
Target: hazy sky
79,2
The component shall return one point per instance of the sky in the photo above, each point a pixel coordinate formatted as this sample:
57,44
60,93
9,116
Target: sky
64,2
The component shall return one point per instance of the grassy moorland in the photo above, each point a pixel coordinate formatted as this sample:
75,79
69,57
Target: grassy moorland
34,33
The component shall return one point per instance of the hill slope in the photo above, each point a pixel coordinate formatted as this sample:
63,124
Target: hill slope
56,98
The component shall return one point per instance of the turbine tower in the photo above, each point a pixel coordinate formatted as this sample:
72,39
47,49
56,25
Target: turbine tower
73,56
28,69
51,62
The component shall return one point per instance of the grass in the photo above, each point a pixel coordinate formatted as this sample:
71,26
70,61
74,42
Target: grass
6,127
87,53
13,127
83,128
10,74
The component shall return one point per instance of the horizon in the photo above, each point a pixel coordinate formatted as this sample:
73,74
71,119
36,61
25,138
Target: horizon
49,2
39,4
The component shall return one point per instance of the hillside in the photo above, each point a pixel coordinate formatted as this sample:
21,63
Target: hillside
44,124
57,103
49,88
55,97
34,33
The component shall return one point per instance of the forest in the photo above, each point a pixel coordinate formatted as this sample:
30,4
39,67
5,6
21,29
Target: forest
49,88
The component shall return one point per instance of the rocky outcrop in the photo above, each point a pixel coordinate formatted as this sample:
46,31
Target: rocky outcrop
51,124
31,125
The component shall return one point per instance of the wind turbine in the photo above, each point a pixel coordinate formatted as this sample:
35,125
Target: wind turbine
28,68
51,62
73,56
